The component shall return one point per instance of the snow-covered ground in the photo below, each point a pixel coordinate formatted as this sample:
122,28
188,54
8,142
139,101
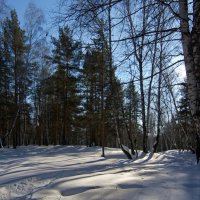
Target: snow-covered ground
79,173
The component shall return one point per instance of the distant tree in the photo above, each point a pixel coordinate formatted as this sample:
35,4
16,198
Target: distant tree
185,120
140,54
15,49
37,51
4,9
95,83
6,98
91,96
66,56
132,112
36,35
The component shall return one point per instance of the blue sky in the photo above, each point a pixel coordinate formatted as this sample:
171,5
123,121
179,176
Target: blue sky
46,5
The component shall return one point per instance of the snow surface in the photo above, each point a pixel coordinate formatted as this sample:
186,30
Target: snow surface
79,173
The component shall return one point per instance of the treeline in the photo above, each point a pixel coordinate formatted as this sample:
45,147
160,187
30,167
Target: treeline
73,104
65,92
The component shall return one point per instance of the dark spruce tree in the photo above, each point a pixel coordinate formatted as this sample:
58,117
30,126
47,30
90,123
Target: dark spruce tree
64,91
186,122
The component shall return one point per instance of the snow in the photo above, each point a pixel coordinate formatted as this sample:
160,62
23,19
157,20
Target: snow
125,148
80,173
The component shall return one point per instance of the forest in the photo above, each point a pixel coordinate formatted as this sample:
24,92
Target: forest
108,74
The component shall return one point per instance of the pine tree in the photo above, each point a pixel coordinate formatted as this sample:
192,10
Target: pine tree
132,104
92,97
185,119
66,54
5,98
14,49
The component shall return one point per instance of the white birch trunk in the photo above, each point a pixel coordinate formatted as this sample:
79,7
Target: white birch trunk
191,51
190,43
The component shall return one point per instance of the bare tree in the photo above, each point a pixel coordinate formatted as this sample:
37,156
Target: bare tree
191,48
34,22
140,54
4,9
187,13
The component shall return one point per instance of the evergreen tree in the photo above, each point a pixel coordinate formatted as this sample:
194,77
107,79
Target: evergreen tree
132,105
14,49
187,137
98,105
92,98
5,92
64,95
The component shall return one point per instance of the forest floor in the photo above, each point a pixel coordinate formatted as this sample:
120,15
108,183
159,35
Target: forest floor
80,173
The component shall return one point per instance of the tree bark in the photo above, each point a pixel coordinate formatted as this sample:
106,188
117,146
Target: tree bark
140,57
191,51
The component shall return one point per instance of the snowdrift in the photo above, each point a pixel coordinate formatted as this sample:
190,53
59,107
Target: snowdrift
80,173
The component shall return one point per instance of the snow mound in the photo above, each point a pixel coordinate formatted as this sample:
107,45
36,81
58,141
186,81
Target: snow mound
80,173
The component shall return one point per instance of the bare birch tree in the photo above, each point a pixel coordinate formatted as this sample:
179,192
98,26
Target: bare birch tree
189,17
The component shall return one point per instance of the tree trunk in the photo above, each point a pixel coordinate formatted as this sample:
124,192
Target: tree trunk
123,148
140,57
191,51
155,146
102,104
